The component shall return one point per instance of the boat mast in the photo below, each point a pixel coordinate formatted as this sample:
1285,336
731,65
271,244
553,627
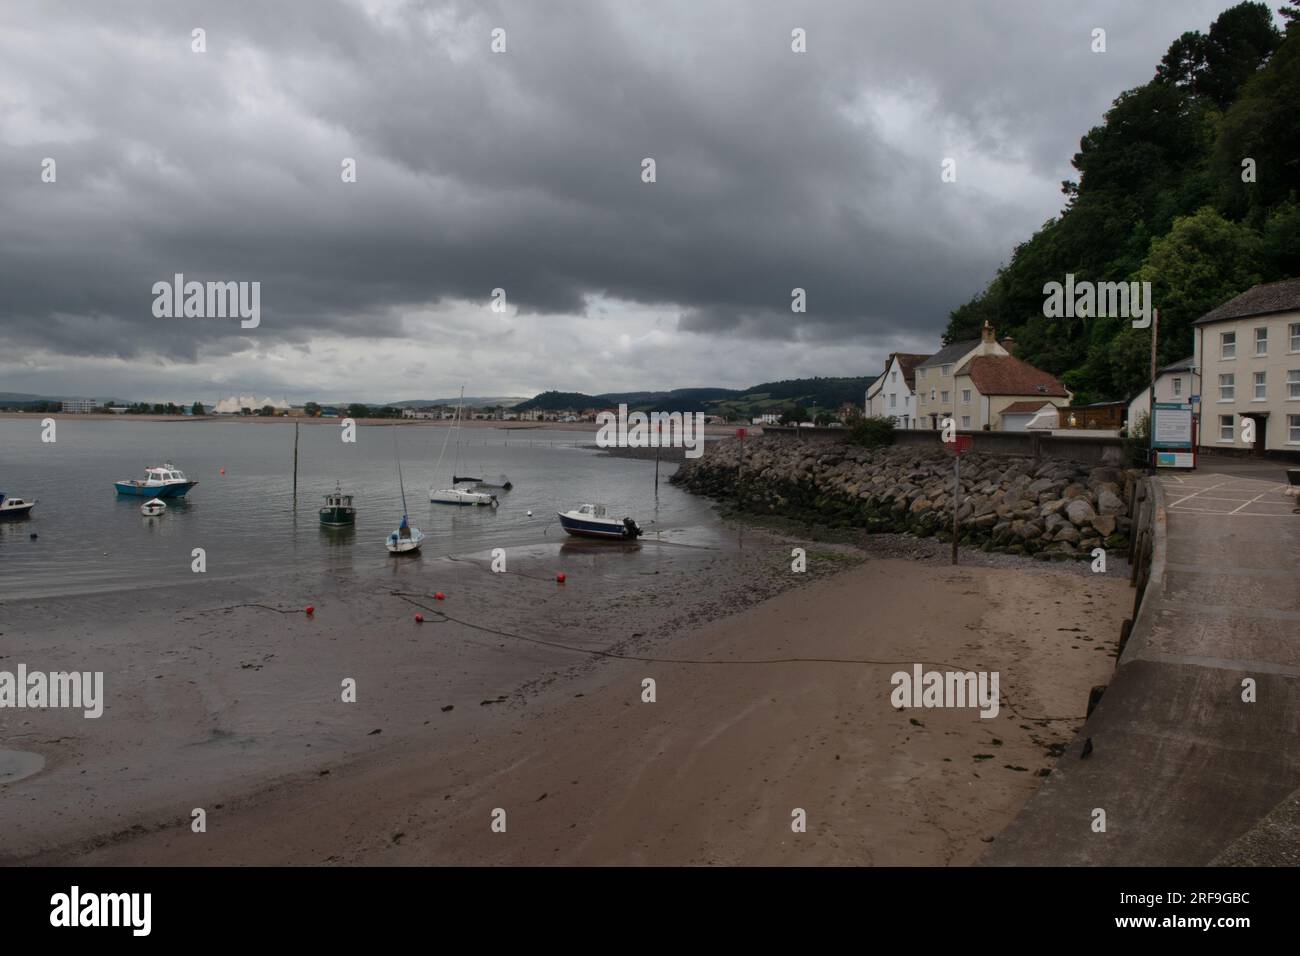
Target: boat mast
399,474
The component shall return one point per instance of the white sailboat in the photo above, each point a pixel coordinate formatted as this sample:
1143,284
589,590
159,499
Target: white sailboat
454,495
406,538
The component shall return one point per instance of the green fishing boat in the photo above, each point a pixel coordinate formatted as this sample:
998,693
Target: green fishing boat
338,511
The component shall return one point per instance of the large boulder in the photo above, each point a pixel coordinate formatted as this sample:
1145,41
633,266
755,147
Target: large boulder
1109,503
1079,511
1104,524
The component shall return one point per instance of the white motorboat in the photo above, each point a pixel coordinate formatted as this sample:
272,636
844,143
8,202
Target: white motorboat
594,521
15,507
153,507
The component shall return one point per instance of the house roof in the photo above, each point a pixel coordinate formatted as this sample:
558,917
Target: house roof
948,354
1182,365
1264,299
1026,408
907,363
1008,375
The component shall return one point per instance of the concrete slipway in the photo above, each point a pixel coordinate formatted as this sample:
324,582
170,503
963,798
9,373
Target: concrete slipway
1186,771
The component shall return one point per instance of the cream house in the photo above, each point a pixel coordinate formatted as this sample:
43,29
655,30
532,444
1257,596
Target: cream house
991,390
937,392
1248,352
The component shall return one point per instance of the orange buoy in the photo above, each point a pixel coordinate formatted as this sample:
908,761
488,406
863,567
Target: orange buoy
559,577
439,596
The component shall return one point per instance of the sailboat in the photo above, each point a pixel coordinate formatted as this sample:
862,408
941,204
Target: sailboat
406,538
454,495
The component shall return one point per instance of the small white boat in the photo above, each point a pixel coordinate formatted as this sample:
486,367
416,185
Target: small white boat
404,539
14,507
594,521
454,495
462,496
153,507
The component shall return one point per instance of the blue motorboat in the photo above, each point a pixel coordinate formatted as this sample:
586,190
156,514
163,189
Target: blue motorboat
160,481
593,521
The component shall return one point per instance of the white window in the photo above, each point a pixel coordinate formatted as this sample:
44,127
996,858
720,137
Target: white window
1227,387
1293,384
893,377
1261,341
965,421
946,371
1293,429
1178,387
893,399
1294,329
965,396
1227,345
1225,428
1261,388
945,398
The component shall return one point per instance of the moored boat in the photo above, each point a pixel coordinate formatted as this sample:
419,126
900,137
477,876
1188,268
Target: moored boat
462,496
594,521
338,511
404,539
160,481
15,507
153,507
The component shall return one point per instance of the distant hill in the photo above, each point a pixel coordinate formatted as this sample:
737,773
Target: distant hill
15,399
471,401
812,393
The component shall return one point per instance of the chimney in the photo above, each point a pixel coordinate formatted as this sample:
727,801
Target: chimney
987,333
1009,344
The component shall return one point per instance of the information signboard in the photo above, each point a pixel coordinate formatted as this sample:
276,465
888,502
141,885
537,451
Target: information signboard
1172,426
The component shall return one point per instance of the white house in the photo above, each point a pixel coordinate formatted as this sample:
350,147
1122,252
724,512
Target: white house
1176,382
1248,354
893,395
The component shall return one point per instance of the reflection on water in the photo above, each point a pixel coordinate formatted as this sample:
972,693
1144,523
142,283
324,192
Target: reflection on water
90,538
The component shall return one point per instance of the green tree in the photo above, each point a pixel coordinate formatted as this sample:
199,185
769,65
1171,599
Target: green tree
198,409
1204,261
311,409
357,410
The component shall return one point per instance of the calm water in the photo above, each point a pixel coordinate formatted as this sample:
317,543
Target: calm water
91,539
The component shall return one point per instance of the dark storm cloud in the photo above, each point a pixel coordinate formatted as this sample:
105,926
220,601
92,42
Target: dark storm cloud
522,170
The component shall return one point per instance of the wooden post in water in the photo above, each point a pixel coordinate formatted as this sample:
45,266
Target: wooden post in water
956,493
295,466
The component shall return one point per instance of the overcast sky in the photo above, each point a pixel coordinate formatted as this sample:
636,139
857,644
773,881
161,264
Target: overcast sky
522,170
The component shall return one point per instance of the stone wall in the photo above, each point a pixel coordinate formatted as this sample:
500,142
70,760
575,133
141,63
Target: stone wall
1020,505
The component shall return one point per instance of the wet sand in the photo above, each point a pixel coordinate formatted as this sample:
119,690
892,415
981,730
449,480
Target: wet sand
772,694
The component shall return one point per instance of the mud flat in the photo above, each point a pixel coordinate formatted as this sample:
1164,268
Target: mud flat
772,695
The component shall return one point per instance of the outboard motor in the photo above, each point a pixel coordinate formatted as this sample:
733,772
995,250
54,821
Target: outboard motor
631,529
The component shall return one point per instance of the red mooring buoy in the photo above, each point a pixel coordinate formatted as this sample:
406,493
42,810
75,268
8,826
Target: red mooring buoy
439,596
559,577
310,609
419,619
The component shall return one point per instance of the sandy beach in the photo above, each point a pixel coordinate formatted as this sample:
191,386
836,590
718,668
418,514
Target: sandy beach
772,693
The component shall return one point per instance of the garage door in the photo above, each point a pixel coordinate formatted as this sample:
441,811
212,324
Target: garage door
1015,423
